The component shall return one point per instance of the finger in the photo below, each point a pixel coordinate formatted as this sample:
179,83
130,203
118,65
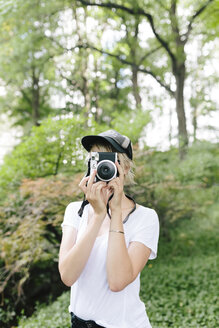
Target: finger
97,186
84,180
82,185
114,183
100,187
120,169
91,179
99,183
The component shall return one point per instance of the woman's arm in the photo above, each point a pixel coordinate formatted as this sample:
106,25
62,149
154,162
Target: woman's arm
123,265
73,256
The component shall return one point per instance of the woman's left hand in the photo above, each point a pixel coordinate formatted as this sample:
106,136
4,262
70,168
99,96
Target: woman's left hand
116,187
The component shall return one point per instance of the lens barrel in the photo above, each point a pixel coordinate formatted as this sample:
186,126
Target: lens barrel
106,170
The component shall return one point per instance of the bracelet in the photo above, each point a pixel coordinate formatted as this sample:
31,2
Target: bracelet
117,231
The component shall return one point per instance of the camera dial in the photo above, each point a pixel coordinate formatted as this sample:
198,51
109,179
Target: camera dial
106,170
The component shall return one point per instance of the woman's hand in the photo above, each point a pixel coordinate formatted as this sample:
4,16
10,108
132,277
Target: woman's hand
116,187
96,193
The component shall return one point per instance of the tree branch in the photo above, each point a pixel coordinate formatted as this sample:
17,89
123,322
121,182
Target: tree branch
70,81
173,19
134,11
149,54
124,61
198,12
26,96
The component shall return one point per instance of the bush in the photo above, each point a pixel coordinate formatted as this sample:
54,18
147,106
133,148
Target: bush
181,293
51,148
30,236
55,315
178,189
54,147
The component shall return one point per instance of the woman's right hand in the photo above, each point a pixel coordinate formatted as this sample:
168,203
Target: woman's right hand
96,193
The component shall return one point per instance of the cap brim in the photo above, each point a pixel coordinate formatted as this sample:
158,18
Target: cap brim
89,141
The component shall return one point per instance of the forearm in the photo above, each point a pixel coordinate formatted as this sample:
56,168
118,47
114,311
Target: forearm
71,266
119,266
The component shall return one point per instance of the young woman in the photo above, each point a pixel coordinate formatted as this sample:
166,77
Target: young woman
104,249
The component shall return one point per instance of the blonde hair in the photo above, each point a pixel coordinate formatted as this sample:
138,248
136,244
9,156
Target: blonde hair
125,161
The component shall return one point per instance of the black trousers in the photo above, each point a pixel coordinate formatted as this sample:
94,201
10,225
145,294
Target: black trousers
80,323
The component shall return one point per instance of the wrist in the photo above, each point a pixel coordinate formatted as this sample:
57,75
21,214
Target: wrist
99,216
116,212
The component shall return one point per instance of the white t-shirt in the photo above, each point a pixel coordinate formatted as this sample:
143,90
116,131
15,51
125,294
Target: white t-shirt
91,298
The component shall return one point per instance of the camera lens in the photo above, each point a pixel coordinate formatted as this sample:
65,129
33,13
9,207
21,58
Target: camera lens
106,170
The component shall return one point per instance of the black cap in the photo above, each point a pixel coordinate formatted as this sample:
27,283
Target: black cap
119,142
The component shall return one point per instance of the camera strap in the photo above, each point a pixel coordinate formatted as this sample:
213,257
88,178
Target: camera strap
85,202
133,209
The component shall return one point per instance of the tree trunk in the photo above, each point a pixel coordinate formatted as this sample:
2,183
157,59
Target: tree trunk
179,96
35,99
194,123
170,127
115,93
135,86
57,163
86,95
133,48
96,94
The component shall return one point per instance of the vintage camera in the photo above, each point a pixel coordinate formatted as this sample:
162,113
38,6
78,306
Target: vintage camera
104,163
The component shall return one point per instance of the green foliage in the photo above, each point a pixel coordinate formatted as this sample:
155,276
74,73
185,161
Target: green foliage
55,147
54,315
50,148
178,189
30,236
180,288
181,293
59,50
27,61
131,123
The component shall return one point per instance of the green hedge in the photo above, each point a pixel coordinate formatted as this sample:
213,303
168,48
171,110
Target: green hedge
180,294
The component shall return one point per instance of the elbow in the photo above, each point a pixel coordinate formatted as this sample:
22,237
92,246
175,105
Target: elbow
116,286
67,281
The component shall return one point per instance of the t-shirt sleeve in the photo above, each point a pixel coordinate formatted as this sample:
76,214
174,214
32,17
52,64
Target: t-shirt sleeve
71,217
147,232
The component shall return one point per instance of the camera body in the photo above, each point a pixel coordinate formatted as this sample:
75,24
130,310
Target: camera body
104,163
